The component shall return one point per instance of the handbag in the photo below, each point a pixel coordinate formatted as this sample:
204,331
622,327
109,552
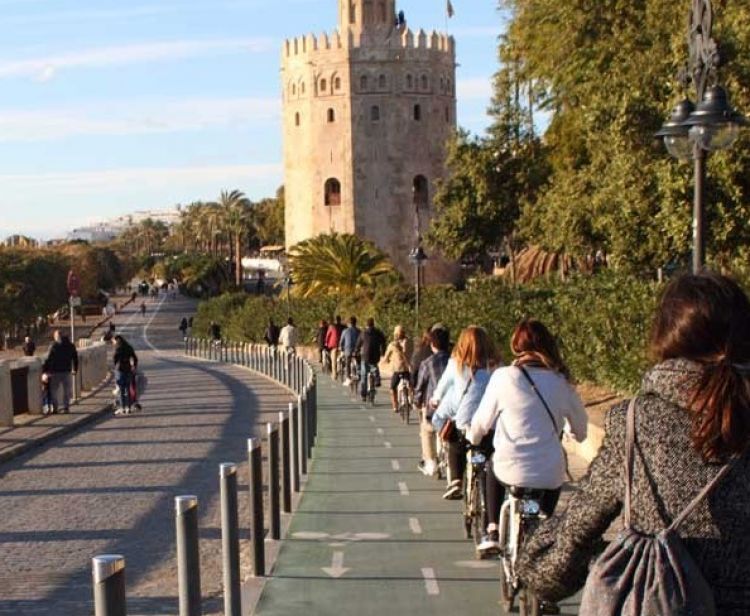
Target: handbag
448,431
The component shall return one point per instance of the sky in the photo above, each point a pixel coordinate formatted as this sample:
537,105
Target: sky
109,107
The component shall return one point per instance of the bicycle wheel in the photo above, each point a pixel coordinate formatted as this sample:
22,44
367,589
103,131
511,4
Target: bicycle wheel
528,604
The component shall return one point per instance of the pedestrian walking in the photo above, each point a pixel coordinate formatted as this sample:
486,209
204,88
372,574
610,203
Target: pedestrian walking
289,337
183,327
143,309
29,348
125,364
61,364
664,464
271,335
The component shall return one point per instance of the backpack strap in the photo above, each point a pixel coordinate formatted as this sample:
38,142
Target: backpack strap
702,494
629,464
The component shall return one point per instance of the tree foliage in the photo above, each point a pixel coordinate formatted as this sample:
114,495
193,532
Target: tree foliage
606,71
336,264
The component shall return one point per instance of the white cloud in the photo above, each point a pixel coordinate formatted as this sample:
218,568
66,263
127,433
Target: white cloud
45,67
474,88
135,117
112,180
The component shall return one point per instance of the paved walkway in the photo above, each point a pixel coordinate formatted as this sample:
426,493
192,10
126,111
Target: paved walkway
110,487
372,535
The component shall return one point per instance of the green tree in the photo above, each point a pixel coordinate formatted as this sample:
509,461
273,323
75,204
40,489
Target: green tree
237,218
269,219
336,264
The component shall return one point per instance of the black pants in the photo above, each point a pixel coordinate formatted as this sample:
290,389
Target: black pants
456,450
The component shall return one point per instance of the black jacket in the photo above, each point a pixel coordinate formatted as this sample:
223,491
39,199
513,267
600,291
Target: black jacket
62,357
125,359
29,348
371,345
272,335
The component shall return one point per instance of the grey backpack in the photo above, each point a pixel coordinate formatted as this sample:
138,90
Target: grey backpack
643,575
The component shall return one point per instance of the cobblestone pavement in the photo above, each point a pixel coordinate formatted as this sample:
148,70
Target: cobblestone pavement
110,488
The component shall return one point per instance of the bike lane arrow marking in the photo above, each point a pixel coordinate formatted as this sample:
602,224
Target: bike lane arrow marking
337,569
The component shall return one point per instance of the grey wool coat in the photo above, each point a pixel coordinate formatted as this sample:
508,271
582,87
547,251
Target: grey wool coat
668,473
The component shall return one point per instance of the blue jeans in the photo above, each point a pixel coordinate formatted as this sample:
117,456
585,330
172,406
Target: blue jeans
365,369
123,383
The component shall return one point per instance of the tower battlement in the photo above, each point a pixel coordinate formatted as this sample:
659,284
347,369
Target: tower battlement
308,46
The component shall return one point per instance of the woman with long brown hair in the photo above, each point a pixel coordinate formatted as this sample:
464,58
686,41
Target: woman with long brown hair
467,368
528,404
691,417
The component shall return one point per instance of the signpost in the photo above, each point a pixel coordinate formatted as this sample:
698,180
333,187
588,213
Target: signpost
74,288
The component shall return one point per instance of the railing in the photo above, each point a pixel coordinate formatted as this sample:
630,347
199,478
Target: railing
289,443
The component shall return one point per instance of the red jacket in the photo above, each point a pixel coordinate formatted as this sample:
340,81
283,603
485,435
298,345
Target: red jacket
333,337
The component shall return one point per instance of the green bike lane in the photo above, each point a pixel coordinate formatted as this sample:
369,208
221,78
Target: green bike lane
371,533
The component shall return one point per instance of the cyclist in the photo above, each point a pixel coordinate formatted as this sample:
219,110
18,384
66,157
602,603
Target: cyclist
422,351
288,338
430,371
333,338
468,365
396,355
348,345
370,348
320,340
528,419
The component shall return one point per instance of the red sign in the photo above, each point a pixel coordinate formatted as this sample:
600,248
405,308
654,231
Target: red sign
74,283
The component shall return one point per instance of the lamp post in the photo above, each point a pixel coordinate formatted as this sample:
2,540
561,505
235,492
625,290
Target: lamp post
417,257
288,284
694,130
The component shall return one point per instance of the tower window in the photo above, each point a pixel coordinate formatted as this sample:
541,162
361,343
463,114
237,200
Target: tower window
381,6
447,116
442,84
363,83
375,113
294,89
332,191
352,13
331,115
381,81
420,192
296,119
302,87
425,82
417,113
337,83
409,82
323,85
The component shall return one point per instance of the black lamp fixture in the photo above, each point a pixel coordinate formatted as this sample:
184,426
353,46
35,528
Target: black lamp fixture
692,131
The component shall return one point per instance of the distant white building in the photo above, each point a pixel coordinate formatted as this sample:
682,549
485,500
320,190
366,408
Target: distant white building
108,230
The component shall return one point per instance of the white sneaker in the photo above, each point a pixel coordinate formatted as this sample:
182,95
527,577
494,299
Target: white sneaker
428,468
121,411
347,382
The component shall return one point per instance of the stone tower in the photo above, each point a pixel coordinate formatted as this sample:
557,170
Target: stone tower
367,111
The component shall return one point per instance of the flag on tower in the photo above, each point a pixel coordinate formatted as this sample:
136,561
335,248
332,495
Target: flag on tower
449,9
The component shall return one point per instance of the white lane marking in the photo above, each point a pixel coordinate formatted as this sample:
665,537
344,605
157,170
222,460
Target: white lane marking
395,465
403,488
380,431
387,445
415,526
337,569
309,535
430,581
372,419
151,320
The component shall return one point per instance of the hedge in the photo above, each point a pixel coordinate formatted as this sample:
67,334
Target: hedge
601,321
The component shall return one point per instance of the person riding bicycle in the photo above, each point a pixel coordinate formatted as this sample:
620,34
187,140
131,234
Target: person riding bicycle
333,338
468,366
370,347
528,420
320,340
397,356
430,371
348,345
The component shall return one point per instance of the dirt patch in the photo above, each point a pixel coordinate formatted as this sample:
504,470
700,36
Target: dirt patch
597,400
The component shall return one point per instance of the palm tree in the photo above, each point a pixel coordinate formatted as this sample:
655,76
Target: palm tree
341,263
236,208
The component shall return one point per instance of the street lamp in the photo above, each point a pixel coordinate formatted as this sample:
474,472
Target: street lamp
692,131
417,256
288,282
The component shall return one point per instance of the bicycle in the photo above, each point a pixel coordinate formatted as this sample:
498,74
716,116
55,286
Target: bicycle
370,385
341,367
474,495
353,377
404,398
520,514
326,361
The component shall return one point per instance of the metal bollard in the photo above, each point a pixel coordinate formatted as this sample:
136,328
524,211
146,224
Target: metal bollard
257,531
302,435
230,543
293,448
188,555
308,421
273,481
286,473
108,571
